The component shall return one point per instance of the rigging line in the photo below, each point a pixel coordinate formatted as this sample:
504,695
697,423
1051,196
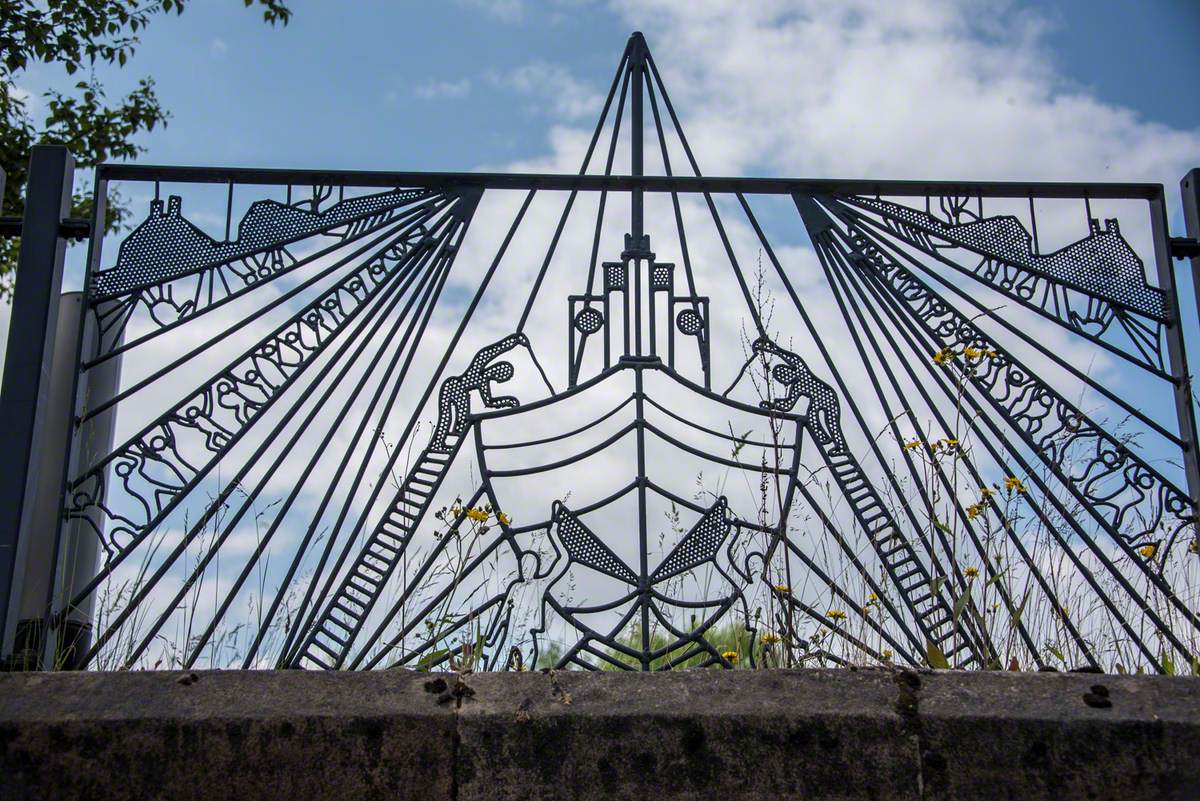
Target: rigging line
837,590
1113,349
562,220
833,262
1062,511
393,238
1040,347
838,631
844,278
1062,401
447,256
937,568
396,384
824,351
900,620
373,304
592,263
417,409
431,282
377,309
474,614
1083,570
428,281
302,548
708,199
662,88
418,215
1154,578
847,278
662,142
410,590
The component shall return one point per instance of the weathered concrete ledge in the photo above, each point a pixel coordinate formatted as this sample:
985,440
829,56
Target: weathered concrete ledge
868,734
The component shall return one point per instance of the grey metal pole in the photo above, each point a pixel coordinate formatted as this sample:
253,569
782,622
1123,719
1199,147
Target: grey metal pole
27,368
1189,188
80,553
1177,352
37,570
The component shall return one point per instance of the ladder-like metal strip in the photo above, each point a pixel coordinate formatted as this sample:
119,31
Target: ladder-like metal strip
328,644
908,573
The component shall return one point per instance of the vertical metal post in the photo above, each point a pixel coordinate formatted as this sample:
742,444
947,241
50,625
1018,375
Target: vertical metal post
31,650
27,368
1189,188
1176,351
637,64
78,557
636,244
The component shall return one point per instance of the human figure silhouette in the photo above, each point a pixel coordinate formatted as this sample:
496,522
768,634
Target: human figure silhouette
823,408
454,399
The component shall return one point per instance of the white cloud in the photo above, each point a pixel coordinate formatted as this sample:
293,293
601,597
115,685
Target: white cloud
433,90
218,48
916,89
909,89
564,94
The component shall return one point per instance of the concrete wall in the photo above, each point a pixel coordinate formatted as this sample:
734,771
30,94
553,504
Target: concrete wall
695,735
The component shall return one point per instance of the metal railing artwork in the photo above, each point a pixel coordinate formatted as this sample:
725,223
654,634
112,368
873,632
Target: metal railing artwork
788,422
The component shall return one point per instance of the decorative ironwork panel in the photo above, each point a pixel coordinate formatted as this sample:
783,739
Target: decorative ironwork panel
391,419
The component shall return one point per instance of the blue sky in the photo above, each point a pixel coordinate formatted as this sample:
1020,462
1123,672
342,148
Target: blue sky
406,85
938,89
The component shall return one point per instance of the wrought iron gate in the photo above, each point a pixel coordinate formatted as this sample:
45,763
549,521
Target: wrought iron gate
347,420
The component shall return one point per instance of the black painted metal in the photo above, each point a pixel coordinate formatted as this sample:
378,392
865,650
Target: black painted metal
941,288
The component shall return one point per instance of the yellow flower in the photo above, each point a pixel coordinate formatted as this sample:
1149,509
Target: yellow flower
991,354
730,656
1148,551
951,443
872,599
782,588
912,446
971,572
477,514
1066,610
503,518
943,356
986,492
974,511
456,510
836,614
887,654
770,638
1194,547
972,353
1013,484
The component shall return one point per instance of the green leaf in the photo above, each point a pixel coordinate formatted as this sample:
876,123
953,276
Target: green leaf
935,585
961,604
934,655
1016,618
1167,663
996,577
433,656
1056,653
942,527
